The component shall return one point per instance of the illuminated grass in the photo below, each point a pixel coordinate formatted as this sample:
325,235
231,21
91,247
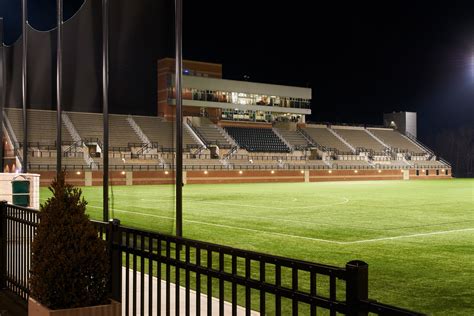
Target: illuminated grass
428,266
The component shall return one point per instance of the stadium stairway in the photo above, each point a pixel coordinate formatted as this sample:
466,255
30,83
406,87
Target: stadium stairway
280,136
342,139
376,138
294,139
394,139
322,136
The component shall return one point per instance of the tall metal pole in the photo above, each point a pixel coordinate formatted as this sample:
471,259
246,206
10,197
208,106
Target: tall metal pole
59,79
2,96
105,107
24,85
179,117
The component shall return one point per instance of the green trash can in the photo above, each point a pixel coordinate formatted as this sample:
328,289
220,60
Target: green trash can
21,192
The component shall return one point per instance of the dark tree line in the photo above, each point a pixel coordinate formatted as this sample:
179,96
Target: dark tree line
457,147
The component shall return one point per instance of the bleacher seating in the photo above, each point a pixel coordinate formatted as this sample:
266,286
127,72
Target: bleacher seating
41,126
359,138
257,139
260,148
161,132
396,140
88,125
212,135
121,134
294,138
48,162
323,137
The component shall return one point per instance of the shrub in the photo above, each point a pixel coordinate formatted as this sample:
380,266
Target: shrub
69,265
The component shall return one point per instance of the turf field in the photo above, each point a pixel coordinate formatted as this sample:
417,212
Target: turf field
416,236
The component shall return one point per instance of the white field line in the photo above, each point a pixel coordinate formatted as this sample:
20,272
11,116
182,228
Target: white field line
443,232
345,200
302,237
273,218
230,227
409,236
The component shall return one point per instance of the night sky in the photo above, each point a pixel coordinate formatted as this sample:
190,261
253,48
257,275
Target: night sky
360,58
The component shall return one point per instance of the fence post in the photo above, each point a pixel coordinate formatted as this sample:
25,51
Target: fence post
115,260
3,244
357,287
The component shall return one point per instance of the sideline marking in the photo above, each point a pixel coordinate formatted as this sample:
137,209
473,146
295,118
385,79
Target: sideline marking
231,227
300,237
344,201
409,236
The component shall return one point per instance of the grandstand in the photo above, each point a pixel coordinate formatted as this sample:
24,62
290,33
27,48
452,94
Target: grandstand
294,138
257,139
229,126
212,134
323,136
43,123
396,140
360,139
257,147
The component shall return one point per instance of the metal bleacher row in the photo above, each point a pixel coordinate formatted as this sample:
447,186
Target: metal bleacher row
145,142
257,139
323,137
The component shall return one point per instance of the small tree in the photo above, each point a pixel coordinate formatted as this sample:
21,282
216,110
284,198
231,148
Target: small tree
69,265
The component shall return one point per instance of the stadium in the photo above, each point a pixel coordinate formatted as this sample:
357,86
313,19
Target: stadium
262,210
229,127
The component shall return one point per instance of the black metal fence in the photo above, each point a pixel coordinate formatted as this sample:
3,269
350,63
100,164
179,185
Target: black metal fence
156,274
17,228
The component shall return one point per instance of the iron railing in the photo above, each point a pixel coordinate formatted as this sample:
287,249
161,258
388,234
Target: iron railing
236,166
17,229
154,274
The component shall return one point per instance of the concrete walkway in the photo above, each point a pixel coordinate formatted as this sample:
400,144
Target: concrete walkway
215,302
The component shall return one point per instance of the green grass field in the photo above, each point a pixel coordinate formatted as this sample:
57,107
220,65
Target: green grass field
416,236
